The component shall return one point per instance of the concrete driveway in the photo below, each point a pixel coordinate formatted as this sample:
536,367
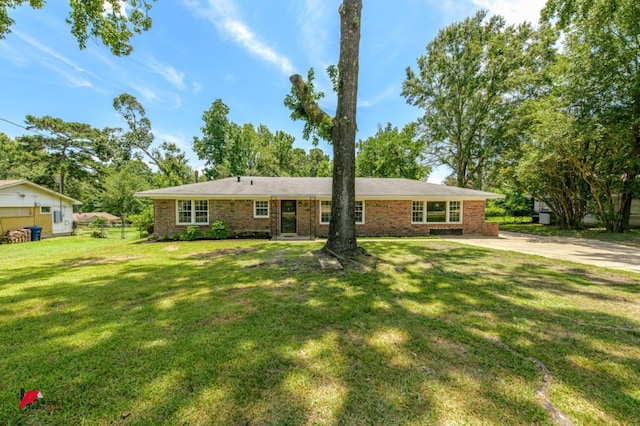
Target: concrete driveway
589,252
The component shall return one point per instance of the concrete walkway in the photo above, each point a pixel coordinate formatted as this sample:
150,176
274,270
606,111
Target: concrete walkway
589,252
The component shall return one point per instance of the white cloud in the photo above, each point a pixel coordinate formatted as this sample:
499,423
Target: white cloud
314,23
178,139
389,92
145,88
168,137
450,10
156,98
245,37
224,16
177,102
167,72
47,50
73,79
514,11
50,58
13,55
149,95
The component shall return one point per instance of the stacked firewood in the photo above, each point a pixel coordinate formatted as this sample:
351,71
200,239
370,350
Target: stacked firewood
18,236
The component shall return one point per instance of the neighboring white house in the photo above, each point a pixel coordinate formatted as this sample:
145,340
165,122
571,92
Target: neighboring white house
545,213
24,204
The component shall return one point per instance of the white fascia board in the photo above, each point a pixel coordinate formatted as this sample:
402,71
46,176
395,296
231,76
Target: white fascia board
318,197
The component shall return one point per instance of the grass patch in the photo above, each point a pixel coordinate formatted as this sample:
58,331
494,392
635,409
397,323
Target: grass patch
245,332
128,232
510,219
630,238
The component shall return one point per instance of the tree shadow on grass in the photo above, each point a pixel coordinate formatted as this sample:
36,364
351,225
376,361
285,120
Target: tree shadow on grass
244,339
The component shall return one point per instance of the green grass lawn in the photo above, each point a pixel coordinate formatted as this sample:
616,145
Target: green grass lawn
118,331
630,238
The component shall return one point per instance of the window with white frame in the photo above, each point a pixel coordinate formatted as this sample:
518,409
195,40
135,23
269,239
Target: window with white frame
417,212
436,212
45,210
325,212
359,212
192,211
454,211
260,208
201,211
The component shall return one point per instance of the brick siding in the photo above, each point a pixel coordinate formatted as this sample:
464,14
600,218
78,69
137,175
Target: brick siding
382,218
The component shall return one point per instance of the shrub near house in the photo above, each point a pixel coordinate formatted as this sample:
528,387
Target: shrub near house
218,231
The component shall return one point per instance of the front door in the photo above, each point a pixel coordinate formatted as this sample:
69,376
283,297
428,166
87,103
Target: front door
288,217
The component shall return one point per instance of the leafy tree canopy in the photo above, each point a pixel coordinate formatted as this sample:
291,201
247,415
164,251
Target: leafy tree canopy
137,142
112,22
120,185
66,149
230,149
601,90
303,103
392,153
468,84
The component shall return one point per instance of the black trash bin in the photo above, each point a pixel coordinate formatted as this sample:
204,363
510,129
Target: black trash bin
36,231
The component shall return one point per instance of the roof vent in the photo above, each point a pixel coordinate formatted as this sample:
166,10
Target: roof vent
238,178
251,182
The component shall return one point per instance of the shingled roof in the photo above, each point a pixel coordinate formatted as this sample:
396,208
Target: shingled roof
88,217
319,187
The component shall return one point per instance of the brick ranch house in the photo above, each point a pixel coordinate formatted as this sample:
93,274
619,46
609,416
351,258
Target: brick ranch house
301,207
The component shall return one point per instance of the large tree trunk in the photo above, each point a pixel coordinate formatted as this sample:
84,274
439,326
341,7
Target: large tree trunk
634,169
342,232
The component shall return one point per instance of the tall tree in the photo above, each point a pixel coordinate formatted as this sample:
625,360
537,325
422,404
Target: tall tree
467,83
314,164
603,46
261,150
71,149
168,158
392,153
113,22
212,146
319,163
549,167
7,146
18,162
140,134
119,187
175,166
340,130
604,166
593,148
230,149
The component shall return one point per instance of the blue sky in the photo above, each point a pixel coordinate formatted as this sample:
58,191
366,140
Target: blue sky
241,51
